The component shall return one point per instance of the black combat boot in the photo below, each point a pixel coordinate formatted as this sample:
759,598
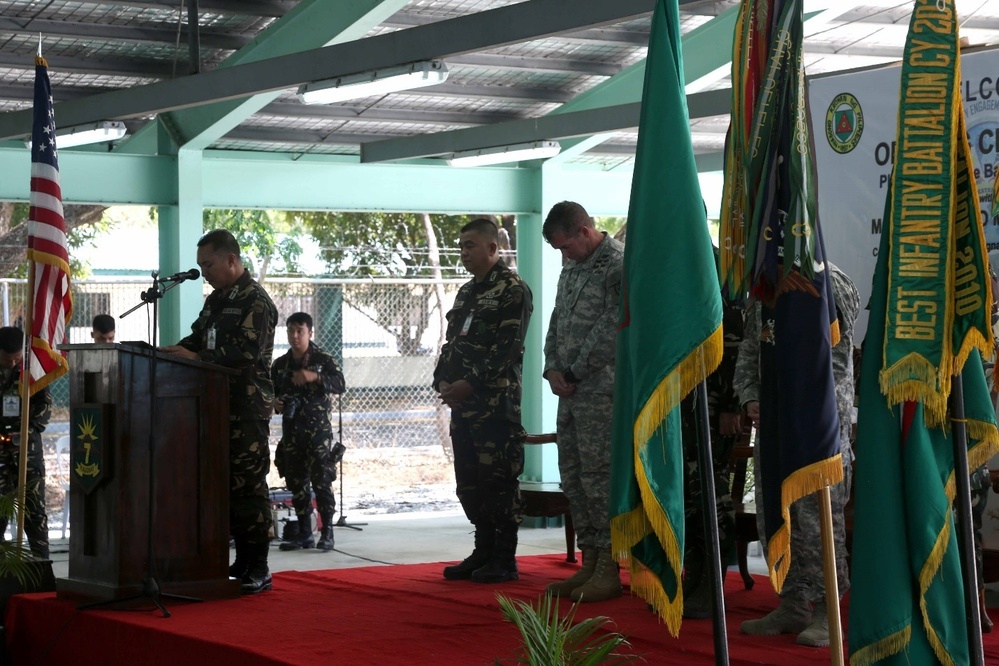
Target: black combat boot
326,538
303,538
257,577
485,540
326,532
502,566
238,567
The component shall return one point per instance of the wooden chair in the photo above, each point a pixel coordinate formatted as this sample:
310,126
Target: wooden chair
546,500
745,521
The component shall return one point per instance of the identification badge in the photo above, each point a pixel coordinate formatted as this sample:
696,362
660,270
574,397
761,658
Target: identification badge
11,405
467,325
211,339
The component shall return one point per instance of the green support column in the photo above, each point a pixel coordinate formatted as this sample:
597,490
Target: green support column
180,227
540,266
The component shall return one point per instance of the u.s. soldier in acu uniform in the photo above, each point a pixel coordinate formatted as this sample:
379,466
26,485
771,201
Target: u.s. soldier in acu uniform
304,380
236,329
802,608
580,352
36,525
478,375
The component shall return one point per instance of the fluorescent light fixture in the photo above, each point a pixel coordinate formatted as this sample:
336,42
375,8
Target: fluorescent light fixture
106,130
376,82
500,154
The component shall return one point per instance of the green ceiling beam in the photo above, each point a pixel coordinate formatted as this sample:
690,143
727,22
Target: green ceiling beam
280,182
345,185
311,24
705,49
94,178
509,24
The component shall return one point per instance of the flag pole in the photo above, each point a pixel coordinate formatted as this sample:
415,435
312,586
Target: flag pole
709,516
25,389
965,531
832,582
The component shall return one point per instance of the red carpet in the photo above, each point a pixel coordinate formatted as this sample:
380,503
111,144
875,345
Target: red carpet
375,615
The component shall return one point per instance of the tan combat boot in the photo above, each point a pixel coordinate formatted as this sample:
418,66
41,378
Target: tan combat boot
605,583
792,616
564,588
816,634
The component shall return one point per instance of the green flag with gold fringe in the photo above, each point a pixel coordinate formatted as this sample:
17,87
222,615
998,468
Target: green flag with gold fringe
670,335
929,320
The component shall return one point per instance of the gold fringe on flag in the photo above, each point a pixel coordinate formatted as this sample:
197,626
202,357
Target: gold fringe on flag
675,386
882,649
987,437
801,483
973,339
915,379
630,528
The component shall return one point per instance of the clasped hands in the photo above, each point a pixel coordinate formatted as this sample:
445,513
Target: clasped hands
559,384
452,394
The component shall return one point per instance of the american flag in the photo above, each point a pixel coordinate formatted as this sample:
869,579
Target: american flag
52,303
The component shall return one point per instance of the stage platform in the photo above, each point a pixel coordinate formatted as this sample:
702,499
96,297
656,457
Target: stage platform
404,614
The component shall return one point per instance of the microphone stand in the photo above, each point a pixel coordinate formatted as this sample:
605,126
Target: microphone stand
342,521
150,585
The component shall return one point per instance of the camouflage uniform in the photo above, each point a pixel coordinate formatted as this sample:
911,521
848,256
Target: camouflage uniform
36,525
303,455
485,346
242,319
805,578
581,341
722,399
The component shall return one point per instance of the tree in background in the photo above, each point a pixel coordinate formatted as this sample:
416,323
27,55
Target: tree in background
83,223
384,244
391,245
265,237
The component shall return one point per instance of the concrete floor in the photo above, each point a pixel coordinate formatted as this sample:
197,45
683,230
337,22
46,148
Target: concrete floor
440,536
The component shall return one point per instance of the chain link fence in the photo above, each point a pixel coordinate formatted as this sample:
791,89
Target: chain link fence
385,334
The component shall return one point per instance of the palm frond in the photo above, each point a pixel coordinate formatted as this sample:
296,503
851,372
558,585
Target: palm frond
551,639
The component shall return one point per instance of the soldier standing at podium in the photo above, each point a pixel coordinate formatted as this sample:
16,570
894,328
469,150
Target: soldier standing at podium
236,329
36,524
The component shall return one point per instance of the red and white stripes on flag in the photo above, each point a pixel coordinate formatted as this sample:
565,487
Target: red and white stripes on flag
51,300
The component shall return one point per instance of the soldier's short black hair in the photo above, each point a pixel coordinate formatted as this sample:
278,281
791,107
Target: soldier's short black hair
11,339
103,323
484,227
300,318
221,241
565,217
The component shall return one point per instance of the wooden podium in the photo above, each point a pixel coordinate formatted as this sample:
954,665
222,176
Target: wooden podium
111,432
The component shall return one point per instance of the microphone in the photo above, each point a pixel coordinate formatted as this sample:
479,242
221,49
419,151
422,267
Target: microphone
192,274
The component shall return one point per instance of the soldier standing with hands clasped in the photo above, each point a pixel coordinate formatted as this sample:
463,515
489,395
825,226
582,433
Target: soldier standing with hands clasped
304,380
478,375
580,351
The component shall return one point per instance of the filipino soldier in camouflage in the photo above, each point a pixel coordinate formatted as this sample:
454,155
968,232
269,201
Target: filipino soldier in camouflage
304,380
478,375
579,366
36,526
802,608
236,330
725,428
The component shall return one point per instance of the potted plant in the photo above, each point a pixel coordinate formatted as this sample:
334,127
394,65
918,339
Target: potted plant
548,639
